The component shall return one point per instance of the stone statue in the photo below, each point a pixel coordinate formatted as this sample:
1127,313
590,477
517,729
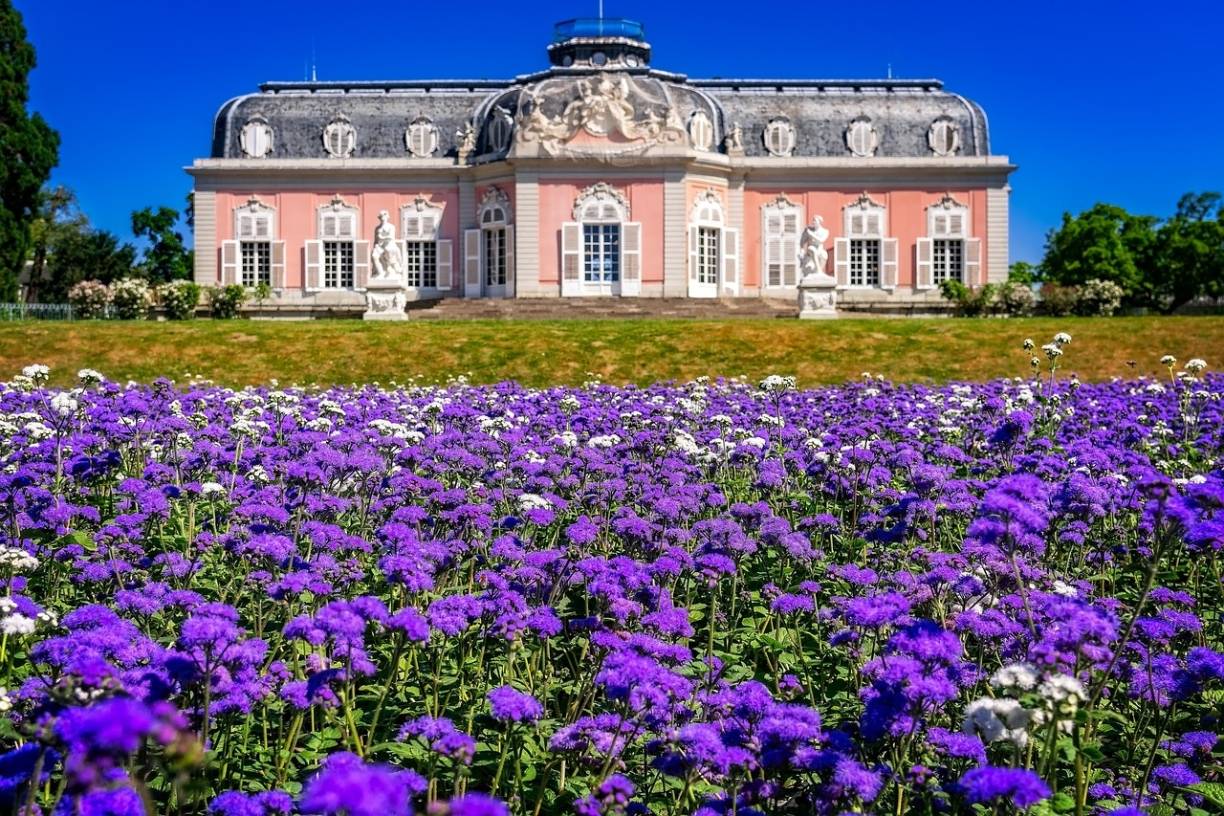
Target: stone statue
467,141
386,262
813,257
735,139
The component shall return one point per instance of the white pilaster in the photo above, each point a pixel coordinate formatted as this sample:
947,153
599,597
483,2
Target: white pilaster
527,236
675,235
997,201
735,220
467,221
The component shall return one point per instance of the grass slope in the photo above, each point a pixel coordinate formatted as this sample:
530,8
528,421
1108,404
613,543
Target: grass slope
542,353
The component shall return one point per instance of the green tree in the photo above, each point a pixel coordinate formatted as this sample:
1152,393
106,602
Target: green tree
85,254
1023,272
1189,257
1103,243
167,257
29,148
58,216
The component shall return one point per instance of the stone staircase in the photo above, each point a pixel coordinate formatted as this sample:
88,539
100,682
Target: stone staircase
595,308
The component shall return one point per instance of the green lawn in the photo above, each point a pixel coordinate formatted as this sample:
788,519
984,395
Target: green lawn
566,351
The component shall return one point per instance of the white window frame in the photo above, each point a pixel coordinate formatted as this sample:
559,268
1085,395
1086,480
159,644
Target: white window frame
598,209
337,223
865,220
701,131
422,137
780,245
862,139
492,214
421,240
254,227
342,129
779,137
707,214
250,142
948,220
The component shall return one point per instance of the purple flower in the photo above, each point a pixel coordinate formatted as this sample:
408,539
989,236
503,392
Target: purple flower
473,804
987,784
510,705
267,803
346,786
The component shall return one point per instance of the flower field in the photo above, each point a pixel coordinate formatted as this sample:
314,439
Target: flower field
703,598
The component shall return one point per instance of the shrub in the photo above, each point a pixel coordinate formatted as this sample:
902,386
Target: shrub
1098,298
1058,301
180,298
1016,298
226,301
89,299
970,302
132,298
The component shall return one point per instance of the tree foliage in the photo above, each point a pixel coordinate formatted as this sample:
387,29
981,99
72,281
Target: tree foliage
29,148
65,250
167,257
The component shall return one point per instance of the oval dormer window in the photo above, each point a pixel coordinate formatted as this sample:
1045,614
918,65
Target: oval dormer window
944,137
340,138
701,131
861,138
422,138
780,138
256,138
500,128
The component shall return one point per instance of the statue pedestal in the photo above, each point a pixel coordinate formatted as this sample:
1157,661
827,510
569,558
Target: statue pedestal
817,297
385,300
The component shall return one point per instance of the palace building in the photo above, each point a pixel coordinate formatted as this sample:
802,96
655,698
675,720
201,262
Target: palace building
602,176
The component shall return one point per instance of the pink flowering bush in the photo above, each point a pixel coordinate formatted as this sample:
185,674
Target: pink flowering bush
700,598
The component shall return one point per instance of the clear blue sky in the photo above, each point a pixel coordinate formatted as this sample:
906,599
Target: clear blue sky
1096,101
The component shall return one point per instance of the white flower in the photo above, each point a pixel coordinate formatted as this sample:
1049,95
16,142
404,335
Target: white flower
37,373
1168,361
775,383
212,489
13,559
605,441
569,404
1196,366
1062,338
994,719
6,702
17,625
1021,676
1064,589
1029,345
1052,351
88,376
63,404
531,501
1062,691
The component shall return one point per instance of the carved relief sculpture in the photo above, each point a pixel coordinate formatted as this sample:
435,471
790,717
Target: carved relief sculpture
386,262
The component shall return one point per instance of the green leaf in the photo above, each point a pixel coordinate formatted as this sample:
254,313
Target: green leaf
1213,792
85,539
1062,802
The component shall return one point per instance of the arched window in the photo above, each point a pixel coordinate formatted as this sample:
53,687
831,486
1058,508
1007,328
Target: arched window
427,256
500,129
781,224
337,259
601,249
713,248
489,250
947,252
865,257
779,137
256,138
253,257
340,138
421,138
861,137
944,137
701,130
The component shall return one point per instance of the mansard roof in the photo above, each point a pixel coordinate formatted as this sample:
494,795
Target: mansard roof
900,112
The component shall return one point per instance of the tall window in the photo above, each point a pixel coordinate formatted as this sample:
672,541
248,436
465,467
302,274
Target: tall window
495,256
707,255
427,258
337,259
865,256
601,253
421,263
781,221
253,257
947,252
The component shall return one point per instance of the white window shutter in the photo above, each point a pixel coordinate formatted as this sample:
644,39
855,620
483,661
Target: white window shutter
789,248
857,225
692,255
446,262
571,259
922,273
412,228
361,264
973,261
246,226
939,226
773,260
263,226
471,263
888,263
229,262
631,259
327,227
345,227
278,264
314,266
841,261
730,260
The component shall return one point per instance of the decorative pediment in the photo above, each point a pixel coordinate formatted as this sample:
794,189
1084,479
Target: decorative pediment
948,203
255,205
422,203
597,195
607,106
781,202
865,202
337,204
494,206
707,207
